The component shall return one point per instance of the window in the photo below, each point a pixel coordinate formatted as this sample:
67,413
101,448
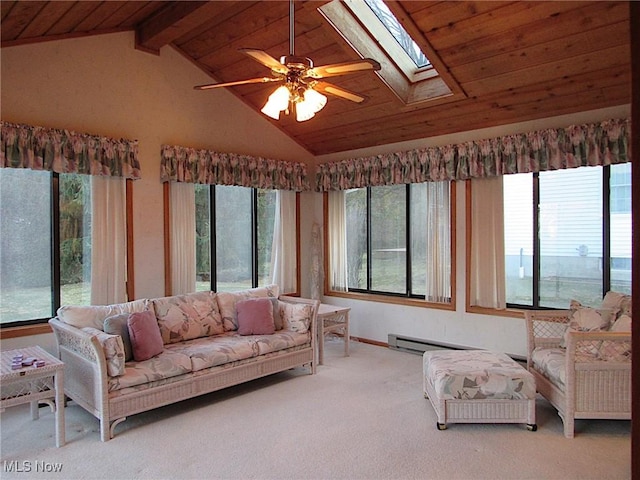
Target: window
40,270
372,30
389,234
392,25
573,246
235,226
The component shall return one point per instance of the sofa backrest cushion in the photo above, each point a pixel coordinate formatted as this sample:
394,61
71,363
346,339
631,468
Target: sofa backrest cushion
227,303
146,341
81,316
118,325
296,316
185,317
619,302
255,317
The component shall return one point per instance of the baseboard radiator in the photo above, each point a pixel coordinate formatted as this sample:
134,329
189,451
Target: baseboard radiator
419,346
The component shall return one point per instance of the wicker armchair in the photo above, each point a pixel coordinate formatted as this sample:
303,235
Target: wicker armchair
594,380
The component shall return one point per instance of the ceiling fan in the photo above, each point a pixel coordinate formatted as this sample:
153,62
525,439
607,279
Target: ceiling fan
302,82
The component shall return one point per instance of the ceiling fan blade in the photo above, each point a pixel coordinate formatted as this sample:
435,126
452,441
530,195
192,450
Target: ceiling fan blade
238,82
343,68
265,59
331,89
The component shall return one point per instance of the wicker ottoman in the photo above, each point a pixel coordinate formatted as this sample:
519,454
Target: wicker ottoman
478,386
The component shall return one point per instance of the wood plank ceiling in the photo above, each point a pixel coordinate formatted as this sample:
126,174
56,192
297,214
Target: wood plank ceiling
504,62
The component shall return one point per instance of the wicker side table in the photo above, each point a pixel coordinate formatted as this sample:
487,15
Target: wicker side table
332,319
33,385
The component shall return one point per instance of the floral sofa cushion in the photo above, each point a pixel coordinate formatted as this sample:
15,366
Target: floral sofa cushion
551,363
281,340
185,317
227,303
477,374
166,365
212,351
295,316
113,350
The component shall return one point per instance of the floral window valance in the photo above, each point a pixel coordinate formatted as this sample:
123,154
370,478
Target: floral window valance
64,151
183,164
602,143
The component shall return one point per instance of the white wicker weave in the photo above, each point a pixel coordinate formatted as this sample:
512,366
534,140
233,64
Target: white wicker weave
595,388
86,374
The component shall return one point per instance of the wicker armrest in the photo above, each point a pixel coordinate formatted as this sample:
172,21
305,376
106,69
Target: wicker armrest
598,349
82,344
545,328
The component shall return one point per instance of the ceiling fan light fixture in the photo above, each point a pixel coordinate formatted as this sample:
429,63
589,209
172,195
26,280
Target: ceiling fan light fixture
270,110
315,99
304,111
278,101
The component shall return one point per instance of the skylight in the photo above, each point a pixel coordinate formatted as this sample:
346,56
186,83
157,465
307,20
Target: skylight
371,29
403,38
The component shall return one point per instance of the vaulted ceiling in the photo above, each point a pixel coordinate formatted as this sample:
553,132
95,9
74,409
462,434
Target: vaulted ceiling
502,62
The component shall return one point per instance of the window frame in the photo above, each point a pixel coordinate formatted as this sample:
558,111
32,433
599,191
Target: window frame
386,297
254,240
517,310
606,240
37,326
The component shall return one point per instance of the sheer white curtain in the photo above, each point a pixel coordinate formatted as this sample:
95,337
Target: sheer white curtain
487,244
438,276
337,241
183,237
108,240
283,249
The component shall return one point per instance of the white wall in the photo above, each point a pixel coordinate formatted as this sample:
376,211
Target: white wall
102,85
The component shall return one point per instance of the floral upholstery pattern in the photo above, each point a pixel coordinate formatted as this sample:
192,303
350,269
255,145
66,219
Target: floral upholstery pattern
211,351
113,350
166,365
227,303
477,374
295,316
280,340
185,317
551,362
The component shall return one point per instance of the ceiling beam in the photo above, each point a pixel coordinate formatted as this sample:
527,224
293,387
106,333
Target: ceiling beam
173,21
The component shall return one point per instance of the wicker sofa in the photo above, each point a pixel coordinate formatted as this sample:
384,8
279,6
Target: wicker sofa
584,371
202,349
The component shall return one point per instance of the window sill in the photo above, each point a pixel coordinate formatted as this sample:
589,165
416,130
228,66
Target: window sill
389,299
509,312
15,332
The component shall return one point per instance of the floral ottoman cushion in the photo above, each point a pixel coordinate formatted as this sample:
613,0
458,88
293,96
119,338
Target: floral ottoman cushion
477,374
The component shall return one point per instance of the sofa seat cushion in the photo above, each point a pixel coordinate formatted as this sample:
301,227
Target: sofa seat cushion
166,365
551,363
217,350
281,340
185,317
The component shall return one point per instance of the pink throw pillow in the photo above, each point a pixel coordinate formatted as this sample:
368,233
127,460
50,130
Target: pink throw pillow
255,317
144,333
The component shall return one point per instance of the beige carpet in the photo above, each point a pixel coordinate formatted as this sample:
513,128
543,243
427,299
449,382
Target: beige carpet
361,417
